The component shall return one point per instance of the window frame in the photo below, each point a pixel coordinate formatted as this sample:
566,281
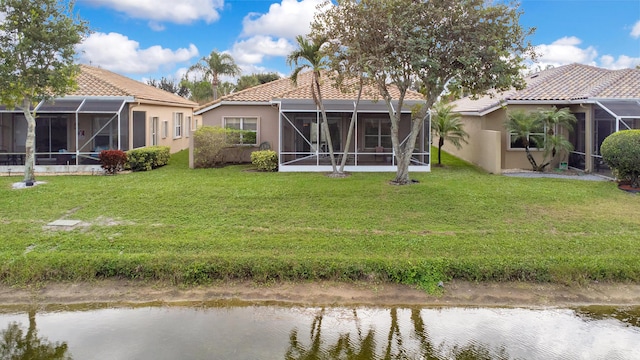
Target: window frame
243,119
178,120
165,129
510,143
379,136
155,124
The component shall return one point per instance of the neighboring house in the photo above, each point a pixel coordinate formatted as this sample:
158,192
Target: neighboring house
286,119
107,111
603,101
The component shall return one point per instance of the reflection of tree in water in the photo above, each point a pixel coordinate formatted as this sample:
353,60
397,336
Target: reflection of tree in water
364,346
16,345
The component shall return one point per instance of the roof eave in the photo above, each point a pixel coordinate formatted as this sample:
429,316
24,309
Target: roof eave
241,103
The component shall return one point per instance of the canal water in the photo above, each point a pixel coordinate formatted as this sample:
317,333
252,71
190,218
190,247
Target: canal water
232,331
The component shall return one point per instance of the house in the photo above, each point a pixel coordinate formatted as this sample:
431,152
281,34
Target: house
286,119
106,111
603,101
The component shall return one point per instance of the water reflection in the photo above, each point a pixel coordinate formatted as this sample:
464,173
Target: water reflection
272,332
17,345
362,345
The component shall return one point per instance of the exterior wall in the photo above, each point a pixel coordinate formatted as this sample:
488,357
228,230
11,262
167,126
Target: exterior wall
470,152
164,114
482,135
267,127
267,120
490,157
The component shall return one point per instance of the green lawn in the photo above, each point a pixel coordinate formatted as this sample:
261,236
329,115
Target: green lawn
196,226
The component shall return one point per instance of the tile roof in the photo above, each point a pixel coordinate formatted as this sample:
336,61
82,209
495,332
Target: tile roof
93,81
564,83
285,89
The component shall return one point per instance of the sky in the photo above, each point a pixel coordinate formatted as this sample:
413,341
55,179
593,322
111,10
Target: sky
151,39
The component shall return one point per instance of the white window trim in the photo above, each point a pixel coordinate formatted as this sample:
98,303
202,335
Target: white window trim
242,119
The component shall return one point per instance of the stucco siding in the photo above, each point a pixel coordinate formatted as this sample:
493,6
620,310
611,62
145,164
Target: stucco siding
166,131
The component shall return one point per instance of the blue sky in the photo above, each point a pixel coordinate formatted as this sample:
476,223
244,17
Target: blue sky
146,39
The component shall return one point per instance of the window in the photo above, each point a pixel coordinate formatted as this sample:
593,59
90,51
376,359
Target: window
249,125
106,134
177,125
165,129
154,130
189,128
377,132
536,141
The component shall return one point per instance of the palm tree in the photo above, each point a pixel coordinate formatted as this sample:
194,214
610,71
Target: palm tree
553,119
446,125
523,125
215,65
309,51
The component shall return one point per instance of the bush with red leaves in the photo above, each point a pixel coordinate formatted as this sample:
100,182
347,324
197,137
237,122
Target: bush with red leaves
112,161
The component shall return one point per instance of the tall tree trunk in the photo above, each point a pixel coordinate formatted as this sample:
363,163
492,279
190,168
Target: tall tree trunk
325,125
405,152
29,146
531,159
354,117
440,144
214,86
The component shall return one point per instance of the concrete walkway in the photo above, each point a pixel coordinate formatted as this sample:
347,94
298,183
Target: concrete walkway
535,174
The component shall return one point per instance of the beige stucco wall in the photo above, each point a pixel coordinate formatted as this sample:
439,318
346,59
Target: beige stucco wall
489,141
163,113
267,120
267,126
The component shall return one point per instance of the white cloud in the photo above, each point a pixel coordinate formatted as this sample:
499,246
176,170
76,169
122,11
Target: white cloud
180,12
565,51
253,50
156,26
635,31
118,53
287,19
271,34
623,62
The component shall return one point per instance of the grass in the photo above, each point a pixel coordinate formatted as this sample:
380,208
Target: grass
196,226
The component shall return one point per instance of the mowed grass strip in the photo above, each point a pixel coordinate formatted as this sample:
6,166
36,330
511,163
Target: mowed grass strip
195,226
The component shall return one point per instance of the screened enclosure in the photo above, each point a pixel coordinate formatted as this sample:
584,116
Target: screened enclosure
70,131
305,145
609,116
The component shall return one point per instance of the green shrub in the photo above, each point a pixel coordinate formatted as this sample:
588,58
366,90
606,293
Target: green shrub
148,158
112,161
621,152
265,160
209,143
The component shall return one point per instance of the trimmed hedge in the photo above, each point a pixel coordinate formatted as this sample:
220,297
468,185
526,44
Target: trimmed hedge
621,152
148,158
265,160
